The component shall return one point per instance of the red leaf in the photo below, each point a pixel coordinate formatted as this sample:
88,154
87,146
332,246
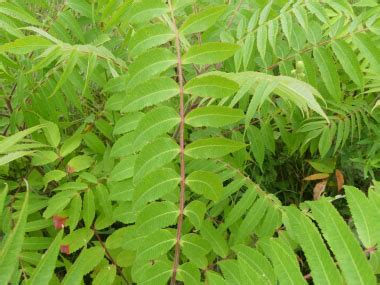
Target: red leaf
59,222
65,248
317,176
70,169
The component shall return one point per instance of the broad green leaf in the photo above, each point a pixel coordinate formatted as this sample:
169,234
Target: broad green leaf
328,72
348,253
205,183
57,203
86,262
45,268
124,169
212,147
155,216
156,244
349,61
257,145
215,238
155,123
145,10
25,45
214,116
195,211
155,155
77,239
106,275
70,145
149,93
127,123
322,266
155,185
149,37
12,244
366,222
123,146
213,86
80,6
79,163
193,246
52,133
150,64
231,271
44,157
215,279
151,274
188,273
209,53
202,21
262,36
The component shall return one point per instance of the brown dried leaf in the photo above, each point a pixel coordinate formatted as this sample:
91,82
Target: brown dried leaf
339,179
317,176
318,190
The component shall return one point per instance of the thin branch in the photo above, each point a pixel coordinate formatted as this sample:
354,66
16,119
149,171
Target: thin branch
109,256
182,147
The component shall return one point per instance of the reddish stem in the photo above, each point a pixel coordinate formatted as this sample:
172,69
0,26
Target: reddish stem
177,252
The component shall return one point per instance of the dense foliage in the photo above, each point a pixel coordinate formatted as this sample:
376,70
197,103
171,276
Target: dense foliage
189,142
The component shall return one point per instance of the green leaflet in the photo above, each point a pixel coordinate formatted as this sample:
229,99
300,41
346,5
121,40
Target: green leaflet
368,49
209,53
45,268
189,274
11,246
3,196
322,266
214,86
152,274
284,261
124,169
145,10
253,217
328,72
79,163
195,211
106,275
155,123
350,257
256,264
205,183
218,243
52,133
212,147
77,239
149,64
214,278
155,185
362,211
149,93
123,146
153,156
194,246
86,262
202,21
149,37
127,123
214,116
156,244
88,208
155,216
349,61
17,12
10,141
25,45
